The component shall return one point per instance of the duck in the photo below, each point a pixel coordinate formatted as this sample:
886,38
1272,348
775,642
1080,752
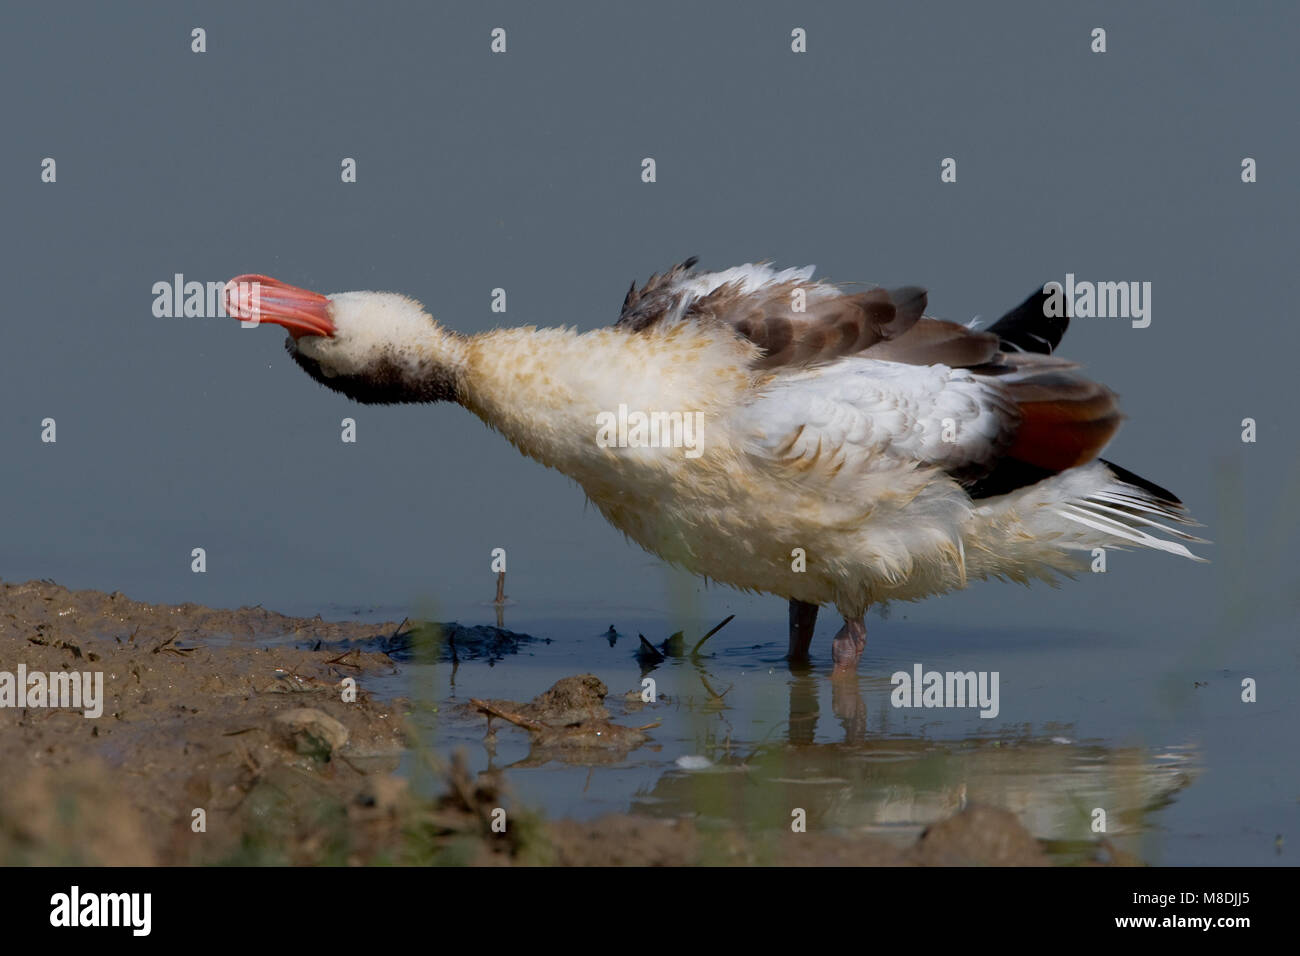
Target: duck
820,442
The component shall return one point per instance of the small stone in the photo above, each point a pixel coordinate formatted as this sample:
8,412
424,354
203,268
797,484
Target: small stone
694,762
310,732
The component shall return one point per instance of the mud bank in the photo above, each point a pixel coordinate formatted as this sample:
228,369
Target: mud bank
225,737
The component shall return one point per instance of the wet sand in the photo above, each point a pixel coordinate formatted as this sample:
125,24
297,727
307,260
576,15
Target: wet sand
238,720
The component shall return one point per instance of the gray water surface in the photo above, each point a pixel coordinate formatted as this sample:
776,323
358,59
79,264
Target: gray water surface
1183,775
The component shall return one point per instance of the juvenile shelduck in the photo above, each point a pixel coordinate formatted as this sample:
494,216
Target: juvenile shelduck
775,432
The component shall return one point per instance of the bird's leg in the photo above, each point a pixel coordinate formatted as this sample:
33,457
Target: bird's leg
803,619
500,602
848,644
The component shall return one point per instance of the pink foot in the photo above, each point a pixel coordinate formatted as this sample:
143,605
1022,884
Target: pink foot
848,644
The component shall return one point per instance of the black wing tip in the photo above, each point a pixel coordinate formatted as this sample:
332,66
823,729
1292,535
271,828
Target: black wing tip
1012,474
1128,477
689,262
1029,328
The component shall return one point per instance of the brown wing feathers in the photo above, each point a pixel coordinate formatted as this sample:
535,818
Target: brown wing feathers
1065,419
825,327
828,328
655,300
935,342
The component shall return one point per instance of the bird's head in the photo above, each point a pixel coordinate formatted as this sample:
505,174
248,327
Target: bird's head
374,347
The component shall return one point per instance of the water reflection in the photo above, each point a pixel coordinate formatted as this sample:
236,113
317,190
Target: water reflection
872,780
758,738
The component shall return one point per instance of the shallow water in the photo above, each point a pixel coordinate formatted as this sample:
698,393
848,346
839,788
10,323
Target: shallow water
1182,774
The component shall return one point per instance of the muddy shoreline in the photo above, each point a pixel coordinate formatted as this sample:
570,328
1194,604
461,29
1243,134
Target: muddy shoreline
230,736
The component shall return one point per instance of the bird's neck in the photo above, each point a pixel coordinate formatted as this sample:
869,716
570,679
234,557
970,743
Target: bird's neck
545,390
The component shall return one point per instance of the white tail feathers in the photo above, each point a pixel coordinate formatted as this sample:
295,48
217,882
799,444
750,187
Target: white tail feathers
1121,511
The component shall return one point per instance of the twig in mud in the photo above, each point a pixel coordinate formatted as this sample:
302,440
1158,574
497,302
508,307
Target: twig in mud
519,720
175,634
342,663
298,683
725,621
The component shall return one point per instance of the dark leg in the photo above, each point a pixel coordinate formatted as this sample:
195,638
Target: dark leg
500,602
803,619
848,644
